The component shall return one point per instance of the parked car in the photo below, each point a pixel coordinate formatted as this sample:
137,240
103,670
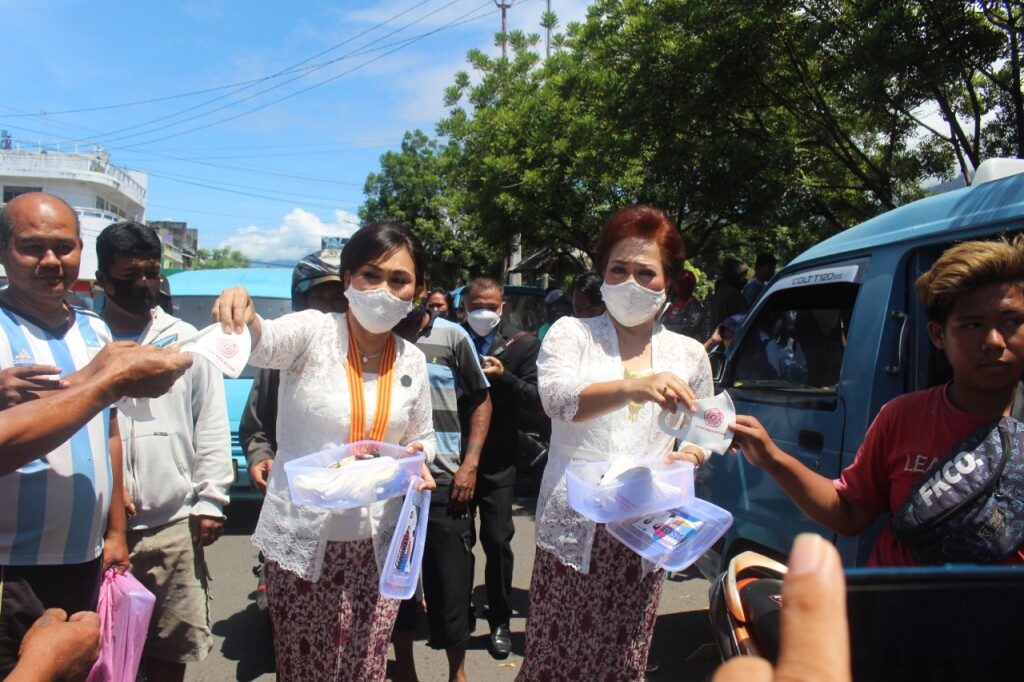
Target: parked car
193,293
838,333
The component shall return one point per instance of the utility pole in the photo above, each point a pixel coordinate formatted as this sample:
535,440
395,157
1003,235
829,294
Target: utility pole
517,250
547,42
503,5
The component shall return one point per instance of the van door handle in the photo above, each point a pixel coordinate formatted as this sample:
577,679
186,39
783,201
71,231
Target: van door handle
811,440
901,360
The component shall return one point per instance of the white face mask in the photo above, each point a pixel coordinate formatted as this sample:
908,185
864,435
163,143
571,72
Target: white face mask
631,304
378,310
483,321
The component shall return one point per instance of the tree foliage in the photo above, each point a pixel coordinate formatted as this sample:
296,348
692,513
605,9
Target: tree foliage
210,259
757,124
414,186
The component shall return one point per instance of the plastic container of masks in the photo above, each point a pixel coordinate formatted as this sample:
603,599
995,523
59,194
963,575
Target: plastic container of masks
352,475
616,490
401,572
676,538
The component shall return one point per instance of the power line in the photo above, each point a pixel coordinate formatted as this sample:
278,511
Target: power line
259,193
291,69
398,46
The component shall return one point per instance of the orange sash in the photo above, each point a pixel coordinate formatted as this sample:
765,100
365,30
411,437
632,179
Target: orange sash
354,372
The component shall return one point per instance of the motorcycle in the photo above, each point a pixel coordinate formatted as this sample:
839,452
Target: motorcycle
951,622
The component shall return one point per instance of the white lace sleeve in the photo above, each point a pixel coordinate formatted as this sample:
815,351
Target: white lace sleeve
285,339
558,368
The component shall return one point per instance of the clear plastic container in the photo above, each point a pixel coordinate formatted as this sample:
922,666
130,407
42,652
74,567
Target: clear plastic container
676,538
359,482
405,555
650,485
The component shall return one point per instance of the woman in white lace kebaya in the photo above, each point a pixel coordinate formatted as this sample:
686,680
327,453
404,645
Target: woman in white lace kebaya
603,381
344,377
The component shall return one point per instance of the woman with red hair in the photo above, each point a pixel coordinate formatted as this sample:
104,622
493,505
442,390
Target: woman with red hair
603,380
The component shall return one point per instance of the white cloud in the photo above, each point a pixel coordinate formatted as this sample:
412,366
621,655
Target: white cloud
298,234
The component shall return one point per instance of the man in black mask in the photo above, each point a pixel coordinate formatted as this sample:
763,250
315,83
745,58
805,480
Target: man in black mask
177,463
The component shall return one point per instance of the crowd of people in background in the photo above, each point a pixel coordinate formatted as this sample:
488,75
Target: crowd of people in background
371,353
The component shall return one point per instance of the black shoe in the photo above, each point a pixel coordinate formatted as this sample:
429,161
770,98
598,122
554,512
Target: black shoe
501,641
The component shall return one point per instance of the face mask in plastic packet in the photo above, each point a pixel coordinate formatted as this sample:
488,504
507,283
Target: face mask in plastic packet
228,352
708,427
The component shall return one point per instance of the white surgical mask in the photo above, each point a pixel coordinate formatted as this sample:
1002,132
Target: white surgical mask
631,304
482,321
378,310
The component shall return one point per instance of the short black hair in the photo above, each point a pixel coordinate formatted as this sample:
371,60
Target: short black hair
483,283
765,259
380,238
129,238
589,284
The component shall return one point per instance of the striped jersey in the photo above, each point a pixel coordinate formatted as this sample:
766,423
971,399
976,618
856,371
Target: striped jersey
55,508
454,370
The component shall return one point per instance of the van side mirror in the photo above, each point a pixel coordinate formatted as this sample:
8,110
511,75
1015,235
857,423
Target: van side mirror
717,359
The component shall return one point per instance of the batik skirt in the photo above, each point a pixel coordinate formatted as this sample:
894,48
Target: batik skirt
593,626
336,628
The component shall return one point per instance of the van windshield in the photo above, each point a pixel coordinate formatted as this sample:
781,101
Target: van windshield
196,311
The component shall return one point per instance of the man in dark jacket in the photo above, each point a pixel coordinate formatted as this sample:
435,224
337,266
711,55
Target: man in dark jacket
509,359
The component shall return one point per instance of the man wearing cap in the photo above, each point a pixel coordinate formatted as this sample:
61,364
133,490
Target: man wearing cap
177,457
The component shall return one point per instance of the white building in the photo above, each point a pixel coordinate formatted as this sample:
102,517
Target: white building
82,175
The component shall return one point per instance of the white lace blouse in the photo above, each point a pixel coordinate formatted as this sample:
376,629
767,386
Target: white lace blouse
313,414
576,353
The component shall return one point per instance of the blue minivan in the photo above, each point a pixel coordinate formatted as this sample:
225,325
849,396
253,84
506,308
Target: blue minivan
192,295
837,334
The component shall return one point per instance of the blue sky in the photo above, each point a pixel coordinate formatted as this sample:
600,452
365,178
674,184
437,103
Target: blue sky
190,92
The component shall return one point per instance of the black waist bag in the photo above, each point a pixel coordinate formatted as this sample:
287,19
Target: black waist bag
969,507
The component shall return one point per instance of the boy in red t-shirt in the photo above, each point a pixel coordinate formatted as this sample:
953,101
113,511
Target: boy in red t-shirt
975,303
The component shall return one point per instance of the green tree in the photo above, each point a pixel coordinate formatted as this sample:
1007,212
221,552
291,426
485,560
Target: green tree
210,259
758,124
413,187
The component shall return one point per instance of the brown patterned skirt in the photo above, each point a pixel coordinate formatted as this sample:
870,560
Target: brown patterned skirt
336,628
595,626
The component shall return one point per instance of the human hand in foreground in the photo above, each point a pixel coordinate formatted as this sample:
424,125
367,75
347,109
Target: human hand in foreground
259,473
428,480
19,384
815,642
664,388
59,648
234,309
135,371
752,438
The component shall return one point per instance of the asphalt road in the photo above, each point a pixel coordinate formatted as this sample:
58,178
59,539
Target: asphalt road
243,649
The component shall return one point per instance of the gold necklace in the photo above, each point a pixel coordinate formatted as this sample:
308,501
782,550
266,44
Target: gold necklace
627,373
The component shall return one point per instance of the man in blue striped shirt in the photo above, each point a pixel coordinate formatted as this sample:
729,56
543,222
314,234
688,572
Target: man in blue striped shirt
454,371
64,517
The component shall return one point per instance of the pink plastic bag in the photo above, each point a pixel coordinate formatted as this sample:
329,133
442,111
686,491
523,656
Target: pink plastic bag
125,607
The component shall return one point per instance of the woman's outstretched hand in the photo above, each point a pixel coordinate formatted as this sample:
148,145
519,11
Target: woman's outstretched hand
664,388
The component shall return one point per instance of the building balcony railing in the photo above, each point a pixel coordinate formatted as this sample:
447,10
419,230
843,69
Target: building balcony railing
44,162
